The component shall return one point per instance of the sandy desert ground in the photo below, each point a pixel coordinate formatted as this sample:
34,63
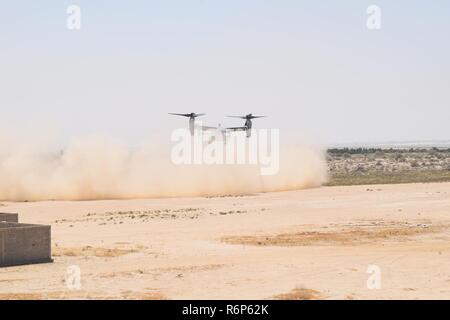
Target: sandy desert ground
315,243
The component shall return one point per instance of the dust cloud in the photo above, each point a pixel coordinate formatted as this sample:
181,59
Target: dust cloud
101,167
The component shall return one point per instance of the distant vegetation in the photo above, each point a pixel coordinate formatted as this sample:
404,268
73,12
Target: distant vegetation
359,166
389,178
390,150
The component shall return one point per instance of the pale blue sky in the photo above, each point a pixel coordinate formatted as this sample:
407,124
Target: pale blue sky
311,66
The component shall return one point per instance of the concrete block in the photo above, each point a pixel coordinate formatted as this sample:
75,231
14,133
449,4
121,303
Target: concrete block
9,217
24,244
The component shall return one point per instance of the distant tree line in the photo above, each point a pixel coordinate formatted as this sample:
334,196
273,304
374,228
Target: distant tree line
340,151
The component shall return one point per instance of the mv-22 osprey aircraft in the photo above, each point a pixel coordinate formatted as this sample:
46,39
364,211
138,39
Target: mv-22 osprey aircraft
247,125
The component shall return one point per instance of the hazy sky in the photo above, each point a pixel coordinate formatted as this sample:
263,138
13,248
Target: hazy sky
312,66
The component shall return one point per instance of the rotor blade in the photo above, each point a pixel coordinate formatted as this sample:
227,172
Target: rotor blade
240,117
254,117
180,114
199,114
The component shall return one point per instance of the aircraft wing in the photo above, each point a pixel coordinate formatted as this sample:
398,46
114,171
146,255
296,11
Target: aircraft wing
237,128
208,128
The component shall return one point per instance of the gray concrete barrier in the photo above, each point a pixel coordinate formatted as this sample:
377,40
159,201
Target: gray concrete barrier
9,217
24,244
